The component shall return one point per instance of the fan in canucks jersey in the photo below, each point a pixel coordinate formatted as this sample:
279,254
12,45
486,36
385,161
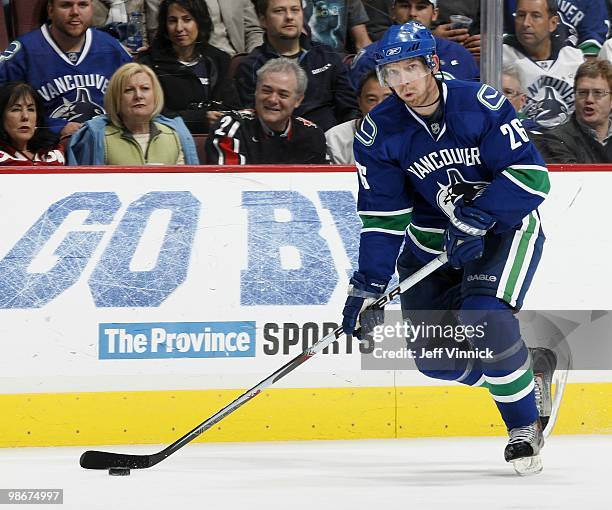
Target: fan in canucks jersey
68,63
446,165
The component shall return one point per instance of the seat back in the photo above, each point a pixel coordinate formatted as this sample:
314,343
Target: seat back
234,63
27,15
3,30
200,141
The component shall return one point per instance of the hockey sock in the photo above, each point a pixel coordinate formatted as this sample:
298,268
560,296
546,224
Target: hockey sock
506,370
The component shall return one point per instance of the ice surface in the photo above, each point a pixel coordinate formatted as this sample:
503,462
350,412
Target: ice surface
407,474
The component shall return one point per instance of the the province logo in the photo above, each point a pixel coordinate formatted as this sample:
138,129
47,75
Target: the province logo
177,340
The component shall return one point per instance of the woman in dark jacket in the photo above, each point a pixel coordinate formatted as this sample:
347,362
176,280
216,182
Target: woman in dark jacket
193,74
25,139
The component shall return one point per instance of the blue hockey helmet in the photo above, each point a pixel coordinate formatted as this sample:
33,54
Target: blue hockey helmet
402,42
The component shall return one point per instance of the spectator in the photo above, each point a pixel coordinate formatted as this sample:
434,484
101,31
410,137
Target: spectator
586,22
235,26
606,51
330,21
133,132
340,138
329,97
455,61
270,134
469,38
68,63
25,139
379,12
545,65
586,137
514,91
193,73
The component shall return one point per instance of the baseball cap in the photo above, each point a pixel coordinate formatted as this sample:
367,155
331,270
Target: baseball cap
433,2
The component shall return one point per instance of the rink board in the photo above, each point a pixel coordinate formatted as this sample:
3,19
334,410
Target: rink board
111,282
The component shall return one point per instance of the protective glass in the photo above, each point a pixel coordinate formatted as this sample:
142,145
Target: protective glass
404,71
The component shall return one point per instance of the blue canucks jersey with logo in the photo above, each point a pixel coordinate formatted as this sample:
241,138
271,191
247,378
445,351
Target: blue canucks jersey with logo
412,173
72,85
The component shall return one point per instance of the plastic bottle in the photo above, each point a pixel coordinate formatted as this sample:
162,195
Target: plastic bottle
135,31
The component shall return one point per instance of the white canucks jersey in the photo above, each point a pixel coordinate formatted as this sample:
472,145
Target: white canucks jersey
549,84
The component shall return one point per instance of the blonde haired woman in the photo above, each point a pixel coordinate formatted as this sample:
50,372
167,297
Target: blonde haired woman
133,132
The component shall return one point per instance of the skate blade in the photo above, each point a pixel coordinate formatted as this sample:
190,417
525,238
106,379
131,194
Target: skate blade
559,382
528,466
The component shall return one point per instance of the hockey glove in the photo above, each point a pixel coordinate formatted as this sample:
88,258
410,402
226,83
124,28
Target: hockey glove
464,237
362,292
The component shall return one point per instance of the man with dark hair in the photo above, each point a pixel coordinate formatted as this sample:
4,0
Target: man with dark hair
545,63
455,60
68,63
585,21
270,134
329,98
586,137
340,138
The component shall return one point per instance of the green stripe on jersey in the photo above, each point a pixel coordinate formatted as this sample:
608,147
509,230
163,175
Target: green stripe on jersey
534,179
512,388
519,259
431,240
396,222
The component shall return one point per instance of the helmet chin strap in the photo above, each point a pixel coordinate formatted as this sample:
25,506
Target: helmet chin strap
432,103
427,105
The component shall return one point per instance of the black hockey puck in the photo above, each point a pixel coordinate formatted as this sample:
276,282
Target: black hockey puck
119,471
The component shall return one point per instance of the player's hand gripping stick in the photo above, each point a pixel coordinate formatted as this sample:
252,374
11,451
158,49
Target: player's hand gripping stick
362,292
464,237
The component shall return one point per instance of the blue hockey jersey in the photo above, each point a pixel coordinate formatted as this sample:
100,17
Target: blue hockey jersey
585,20
455,62
410,177
71,91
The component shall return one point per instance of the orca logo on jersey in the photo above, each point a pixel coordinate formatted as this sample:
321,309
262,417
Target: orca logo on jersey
550,110
457,188
79,110
10,52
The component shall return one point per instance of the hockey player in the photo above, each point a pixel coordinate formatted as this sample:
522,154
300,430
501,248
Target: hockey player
68,63
447,165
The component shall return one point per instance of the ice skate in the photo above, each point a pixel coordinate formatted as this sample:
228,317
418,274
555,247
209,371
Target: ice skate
523,448
543,364
546,372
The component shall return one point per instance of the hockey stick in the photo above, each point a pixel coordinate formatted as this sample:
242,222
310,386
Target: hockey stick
106,460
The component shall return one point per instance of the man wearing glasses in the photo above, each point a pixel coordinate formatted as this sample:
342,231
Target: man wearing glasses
586,137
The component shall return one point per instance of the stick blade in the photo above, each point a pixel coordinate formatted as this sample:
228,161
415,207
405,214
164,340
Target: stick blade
93,459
